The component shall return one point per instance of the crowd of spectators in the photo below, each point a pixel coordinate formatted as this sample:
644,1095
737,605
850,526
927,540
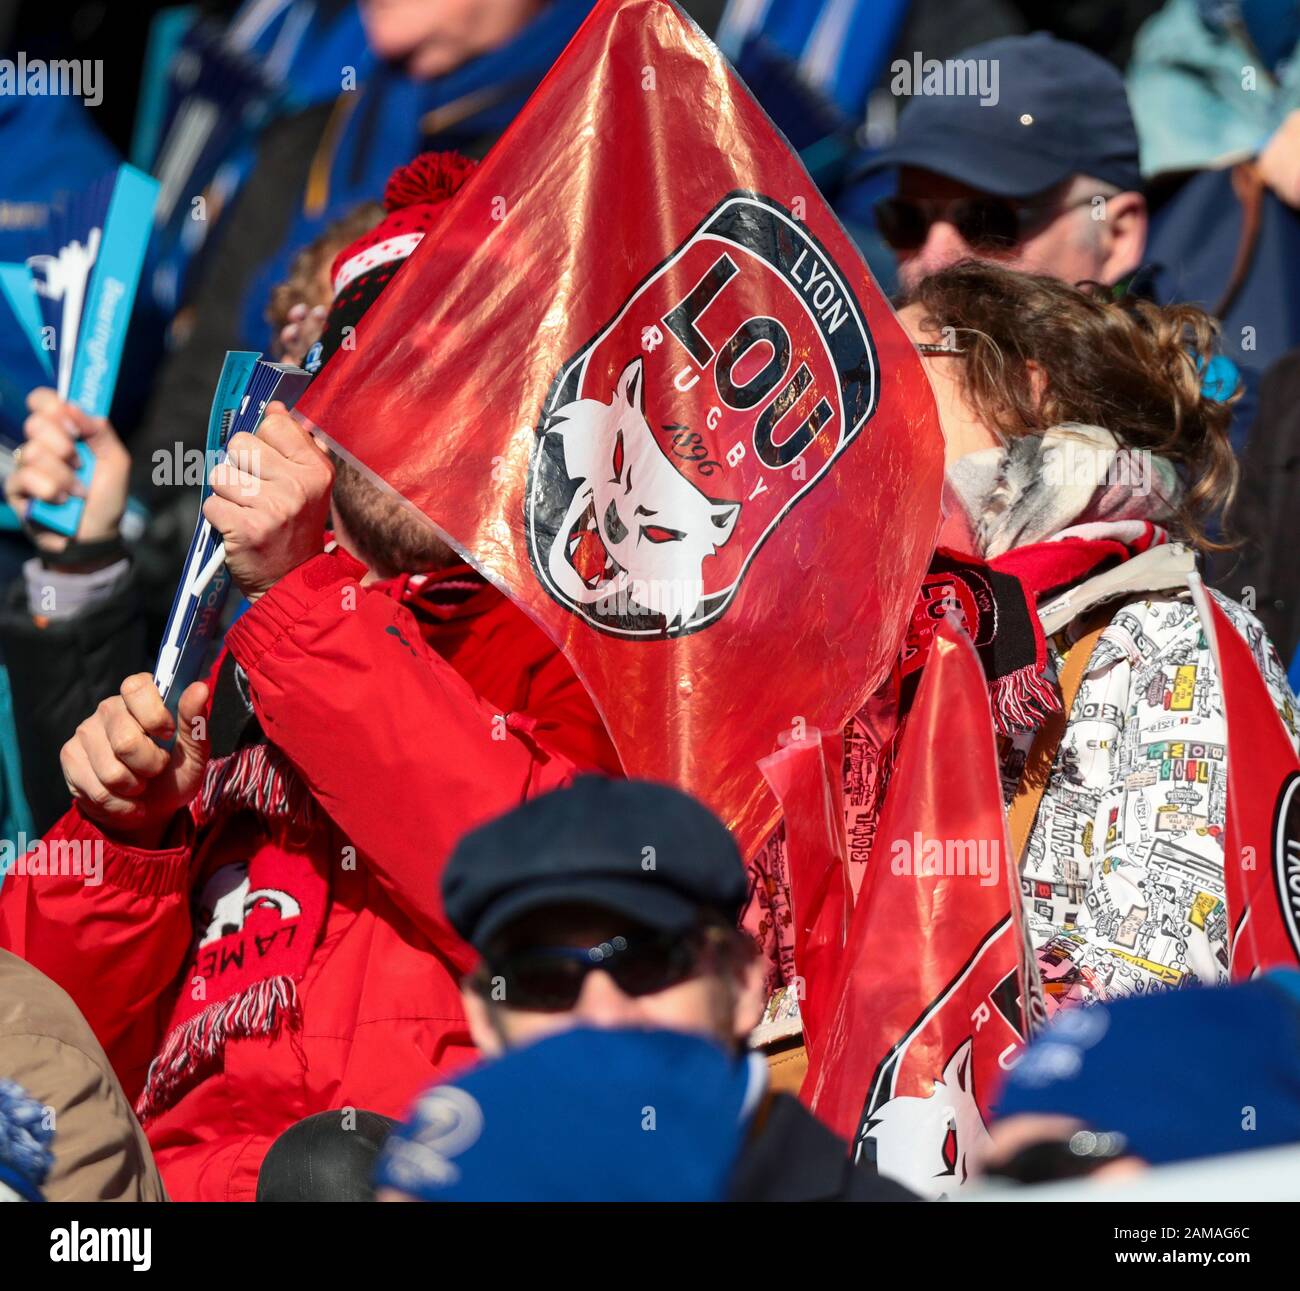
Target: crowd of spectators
343,941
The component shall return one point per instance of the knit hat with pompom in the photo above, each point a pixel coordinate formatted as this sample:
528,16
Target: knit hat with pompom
413,198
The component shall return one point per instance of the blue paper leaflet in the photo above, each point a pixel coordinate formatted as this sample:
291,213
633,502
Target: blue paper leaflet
19,287
195,610
26,364
85,285
248,383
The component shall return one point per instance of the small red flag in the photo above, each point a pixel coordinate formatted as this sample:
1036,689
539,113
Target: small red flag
1261,855
937,987
807,777
641,377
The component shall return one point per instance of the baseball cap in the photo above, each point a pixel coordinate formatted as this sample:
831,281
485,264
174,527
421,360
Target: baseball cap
1060,110
565,1119
1172,1071
646,851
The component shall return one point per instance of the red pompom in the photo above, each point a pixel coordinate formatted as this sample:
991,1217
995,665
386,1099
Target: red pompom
431,178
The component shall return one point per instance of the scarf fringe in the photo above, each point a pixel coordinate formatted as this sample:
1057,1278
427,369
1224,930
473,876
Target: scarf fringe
191,1049
257,777
1022,701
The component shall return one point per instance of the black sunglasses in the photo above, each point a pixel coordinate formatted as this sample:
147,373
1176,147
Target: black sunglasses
985,223
549,979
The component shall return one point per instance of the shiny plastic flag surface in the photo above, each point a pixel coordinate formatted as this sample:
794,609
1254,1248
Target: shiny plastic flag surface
938,990
641,378
1261,855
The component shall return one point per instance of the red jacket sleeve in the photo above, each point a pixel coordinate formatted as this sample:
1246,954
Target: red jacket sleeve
391,739
111,925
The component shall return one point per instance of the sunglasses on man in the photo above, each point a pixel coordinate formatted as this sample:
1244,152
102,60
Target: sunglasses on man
987,224
549,979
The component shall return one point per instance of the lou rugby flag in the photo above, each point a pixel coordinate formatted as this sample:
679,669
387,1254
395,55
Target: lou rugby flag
1261,855
936,989
640,376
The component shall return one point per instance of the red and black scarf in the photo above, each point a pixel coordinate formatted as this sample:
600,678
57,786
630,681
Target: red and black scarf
998,602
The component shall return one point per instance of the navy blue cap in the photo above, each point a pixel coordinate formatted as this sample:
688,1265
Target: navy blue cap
1173,1072
645,851
585,1115
1061,110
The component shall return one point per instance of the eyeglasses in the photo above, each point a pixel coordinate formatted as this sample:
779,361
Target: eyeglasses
986,224
549,979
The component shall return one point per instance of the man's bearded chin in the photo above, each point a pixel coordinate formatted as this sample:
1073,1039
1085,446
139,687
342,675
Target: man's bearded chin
383,531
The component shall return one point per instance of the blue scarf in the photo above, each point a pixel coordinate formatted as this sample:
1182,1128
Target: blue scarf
390,122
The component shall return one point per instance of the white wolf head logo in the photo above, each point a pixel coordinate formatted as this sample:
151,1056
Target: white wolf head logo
636,526
925,1143
228,898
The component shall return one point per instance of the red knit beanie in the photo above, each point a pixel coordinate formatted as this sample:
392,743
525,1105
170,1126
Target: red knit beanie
412,197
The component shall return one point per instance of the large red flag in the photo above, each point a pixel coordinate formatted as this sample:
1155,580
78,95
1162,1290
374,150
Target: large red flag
1261,855
640,376
937,987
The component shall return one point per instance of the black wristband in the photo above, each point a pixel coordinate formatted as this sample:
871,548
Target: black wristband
107,551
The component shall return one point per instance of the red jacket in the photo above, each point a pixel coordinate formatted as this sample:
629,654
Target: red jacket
406,733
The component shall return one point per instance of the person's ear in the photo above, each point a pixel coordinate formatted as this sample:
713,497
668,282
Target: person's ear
1126,232
751,993
486,1039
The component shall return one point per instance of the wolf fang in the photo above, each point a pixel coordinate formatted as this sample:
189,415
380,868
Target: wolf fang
593,435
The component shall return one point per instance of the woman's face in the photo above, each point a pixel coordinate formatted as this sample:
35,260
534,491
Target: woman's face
964,431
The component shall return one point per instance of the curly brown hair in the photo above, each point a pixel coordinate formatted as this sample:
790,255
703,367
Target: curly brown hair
1118,362
305,284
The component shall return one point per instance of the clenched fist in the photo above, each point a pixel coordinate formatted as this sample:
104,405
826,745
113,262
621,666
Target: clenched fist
123,780
270,501
47,469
